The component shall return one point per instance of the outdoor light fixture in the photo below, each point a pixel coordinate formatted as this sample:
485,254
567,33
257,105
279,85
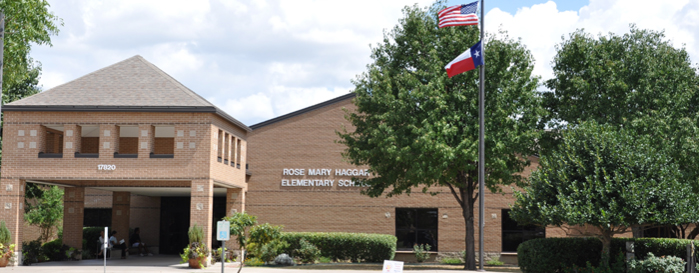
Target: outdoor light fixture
445,216
388,214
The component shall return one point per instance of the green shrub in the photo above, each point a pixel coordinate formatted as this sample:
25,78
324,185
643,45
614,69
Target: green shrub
554,254
5,236
325,260
618,266
269,251
254,262
665,264
341,246
451,260
307,253
55,250
91,237
494,261
195,234
32,252
422,252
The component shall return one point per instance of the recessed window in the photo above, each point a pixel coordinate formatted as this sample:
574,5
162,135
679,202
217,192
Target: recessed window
416,226
89,139
128,142
164,142
514,234
53,142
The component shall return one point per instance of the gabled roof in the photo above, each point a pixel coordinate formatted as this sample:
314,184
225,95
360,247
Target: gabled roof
132,85
303,111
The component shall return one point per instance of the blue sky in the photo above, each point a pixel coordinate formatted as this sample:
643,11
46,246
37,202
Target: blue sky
259,59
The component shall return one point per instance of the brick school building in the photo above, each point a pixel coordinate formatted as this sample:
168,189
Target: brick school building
133,147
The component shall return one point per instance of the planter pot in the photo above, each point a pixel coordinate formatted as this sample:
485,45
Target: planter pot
197,263
4,261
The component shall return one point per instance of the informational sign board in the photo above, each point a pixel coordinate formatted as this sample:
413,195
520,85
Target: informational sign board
224,231
392,266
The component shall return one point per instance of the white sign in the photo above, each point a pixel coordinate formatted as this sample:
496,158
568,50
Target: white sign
224,231
392,266
106,167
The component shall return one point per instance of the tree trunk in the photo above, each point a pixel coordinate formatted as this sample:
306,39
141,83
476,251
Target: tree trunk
470,262
606,239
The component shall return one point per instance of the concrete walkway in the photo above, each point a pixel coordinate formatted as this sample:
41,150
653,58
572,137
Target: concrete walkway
168,263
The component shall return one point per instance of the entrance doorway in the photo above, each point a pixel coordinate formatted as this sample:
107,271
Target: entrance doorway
174,224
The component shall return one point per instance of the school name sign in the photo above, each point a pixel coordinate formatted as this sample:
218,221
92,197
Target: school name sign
322,178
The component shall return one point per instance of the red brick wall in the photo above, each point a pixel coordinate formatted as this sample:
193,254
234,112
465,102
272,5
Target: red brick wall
164,145
128,145
90,145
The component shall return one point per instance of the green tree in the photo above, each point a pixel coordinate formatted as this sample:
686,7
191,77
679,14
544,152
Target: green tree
607,178
45,210
417,129
27,22
240,223
637,81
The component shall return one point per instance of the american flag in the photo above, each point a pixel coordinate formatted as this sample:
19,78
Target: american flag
459,15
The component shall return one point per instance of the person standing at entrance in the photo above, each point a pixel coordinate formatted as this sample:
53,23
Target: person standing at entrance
122,245
135,241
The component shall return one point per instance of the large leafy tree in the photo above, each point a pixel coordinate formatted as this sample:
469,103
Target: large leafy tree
417,129
27,23
608,178
637,81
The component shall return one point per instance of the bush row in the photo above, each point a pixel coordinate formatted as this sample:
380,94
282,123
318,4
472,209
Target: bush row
346,246
546,255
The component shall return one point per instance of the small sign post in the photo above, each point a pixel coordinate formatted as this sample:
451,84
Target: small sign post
392,266
223,234
104,247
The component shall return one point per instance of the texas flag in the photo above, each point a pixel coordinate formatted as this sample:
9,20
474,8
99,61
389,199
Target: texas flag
468,60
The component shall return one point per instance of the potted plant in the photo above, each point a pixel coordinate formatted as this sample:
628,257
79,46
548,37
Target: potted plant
7,250
196,252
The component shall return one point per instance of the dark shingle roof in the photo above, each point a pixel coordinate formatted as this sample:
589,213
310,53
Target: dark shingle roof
133,84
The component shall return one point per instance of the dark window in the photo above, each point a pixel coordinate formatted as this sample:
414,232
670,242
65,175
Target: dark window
97,218
416,226
514,234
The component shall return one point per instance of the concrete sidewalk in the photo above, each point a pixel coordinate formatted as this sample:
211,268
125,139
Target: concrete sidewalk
168,263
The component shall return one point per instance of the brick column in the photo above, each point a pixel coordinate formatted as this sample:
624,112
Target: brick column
121,205
73,213
146,137
202,207
235,202
109,140
12,202
71,140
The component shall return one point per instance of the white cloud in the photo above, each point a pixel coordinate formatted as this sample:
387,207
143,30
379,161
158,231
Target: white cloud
258,59
254,107
542,26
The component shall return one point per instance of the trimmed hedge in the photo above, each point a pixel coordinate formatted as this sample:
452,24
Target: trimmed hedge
346,246
546,255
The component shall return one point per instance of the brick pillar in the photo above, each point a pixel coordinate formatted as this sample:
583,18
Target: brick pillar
121,205
73,213
12,202
71,140
41,138
202,207
146,135
235,202
109,140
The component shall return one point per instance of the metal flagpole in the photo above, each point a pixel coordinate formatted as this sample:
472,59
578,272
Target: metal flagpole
481,145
